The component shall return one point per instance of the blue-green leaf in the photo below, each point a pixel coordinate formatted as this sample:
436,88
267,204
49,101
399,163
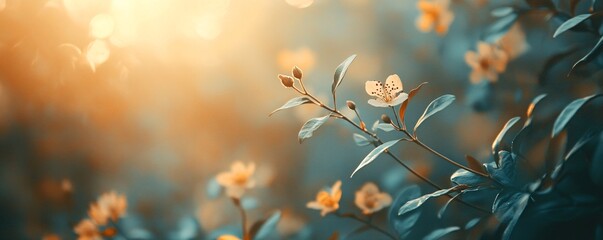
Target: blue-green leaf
340,72
403,225
472,223
594,52
463,176
502,133
415,203
361,140
571,23
500,27
439,233
443,209
568,113
374,154
268,226
310,126
505,174
502,11
435,106
294,102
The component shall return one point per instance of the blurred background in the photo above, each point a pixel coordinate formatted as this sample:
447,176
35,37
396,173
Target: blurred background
154,98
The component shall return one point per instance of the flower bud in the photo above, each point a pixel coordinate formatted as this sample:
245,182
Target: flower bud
385,119
297,72
287,81
351,105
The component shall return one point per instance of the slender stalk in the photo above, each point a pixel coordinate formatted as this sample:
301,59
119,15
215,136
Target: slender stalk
237,203
366,222
377,139
396,116
421,144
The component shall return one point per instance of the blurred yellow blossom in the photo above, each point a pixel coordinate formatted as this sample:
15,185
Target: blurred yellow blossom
435,15
514,43
109,205
369,199
487,62
388,94
237,179
228,237
327,202
97,53
86,230
101,26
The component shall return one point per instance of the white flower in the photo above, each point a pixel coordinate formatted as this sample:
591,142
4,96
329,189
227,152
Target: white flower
387,95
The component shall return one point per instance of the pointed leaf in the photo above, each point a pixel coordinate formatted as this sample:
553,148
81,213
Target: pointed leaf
463,176
571,23
403,225
439,233
340,73
594,52
310,126
294,102
435,106
505,174
266,227
443,209
568,113
552,61
580,143
535,101
361,140
374,154
501,134
472,223
474,164
502,11
411,94
415,203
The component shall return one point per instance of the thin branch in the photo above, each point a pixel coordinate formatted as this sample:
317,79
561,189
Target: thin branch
366,222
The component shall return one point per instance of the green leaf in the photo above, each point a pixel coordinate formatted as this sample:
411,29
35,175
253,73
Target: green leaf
294,102
463,176
472,223
310,126
374,154
571,23
443,209
514,213
505,174
435,106
502,11
552,61
501,134
361,140
568,113
580,143
266,227
500,27
403,225
340,73
411,94
386,127
415,203
596,167
439,233
532,106
590,55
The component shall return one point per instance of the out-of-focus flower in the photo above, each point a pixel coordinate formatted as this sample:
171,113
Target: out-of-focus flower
369,199
487,62
228,237
435,15
513,43
66,185
97,53
327,201
109,205
388,94
237,179
87,230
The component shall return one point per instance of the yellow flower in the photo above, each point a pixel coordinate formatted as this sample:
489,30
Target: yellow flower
109,205
370,200
86,230
327,202
388,94
486,63
435,14
228,237
237,179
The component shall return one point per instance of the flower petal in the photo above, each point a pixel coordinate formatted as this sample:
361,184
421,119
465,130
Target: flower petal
377,103
399,99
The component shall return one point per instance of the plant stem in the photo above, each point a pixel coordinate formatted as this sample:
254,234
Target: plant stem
378,140
366,222
418,142
396,116
237,203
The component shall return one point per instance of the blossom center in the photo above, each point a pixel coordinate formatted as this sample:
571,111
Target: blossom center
484,63
240,179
